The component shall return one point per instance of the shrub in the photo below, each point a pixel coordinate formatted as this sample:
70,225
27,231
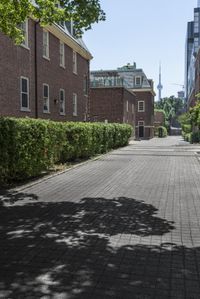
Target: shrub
195,137
187,128
161,132
30,146
156,131
187,136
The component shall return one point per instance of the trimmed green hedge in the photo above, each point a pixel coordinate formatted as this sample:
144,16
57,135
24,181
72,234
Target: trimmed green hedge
30,146
160,132
186,136
195,137
186,128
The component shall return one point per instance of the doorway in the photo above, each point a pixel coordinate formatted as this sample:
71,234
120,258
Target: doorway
141,129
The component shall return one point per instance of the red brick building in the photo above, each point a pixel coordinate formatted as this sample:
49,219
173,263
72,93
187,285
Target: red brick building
144,114
159,118
112,104
47,76
104,97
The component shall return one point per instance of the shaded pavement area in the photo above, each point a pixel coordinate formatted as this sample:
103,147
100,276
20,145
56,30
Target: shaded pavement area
124,226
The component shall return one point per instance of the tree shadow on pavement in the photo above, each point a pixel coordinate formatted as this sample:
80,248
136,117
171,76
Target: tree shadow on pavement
10,197
87,250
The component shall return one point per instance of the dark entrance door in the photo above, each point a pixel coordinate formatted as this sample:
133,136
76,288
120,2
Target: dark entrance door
141,131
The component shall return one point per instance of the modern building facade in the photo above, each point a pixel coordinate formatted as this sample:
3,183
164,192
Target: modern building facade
45,77
191,50
134,80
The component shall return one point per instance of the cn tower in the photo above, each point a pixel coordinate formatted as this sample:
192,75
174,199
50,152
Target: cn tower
159,87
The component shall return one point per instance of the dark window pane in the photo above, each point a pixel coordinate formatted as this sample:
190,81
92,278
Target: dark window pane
46,94
24,100
61,96
24,85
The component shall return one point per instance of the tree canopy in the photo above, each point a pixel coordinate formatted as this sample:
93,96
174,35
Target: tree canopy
14,12
172,107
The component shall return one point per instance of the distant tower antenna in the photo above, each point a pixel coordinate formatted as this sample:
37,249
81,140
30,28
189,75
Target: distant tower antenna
160,87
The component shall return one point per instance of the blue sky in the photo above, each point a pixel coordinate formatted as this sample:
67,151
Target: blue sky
145,32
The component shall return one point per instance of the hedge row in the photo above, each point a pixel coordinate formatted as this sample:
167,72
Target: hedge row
160,131
195,137
29,146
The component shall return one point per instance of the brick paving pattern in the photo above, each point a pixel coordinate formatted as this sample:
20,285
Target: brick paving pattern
124,226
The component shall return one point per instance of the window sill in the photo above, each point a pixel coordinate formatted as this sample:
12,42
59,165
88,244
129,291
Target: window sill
62,114
25,110
46,112
141,111
45,57
75,73
75,114
63,66
25,47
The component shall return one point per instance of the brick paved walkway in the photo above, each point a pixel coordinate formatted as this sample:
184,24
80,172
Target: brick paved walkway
124,226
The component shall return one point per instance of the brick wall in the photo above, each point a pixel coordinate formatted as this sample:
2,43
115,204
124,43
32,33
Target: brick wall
111,104
147,116
159,118
16,61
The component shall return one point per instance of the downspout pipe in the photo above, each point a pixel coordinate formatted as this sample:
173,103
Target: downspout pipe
36,71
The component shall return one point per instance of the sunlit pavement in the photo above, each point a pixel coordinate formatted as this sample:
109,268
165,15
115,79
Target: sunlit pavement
124,226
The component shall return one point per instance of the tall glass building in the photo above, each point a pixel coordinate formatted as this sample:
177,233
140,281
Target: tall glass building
191,49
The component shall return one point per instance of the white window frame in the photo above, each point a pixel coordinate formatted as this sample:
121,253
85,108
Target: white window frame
75,62
141,110
45,47
62,54
27,93
132,108
140,123
45,98
62,90
138,77
75,104
127,106
85,85
24,28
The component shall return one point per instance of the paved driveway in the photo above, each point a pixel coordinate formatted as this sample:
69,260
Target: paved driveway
124,226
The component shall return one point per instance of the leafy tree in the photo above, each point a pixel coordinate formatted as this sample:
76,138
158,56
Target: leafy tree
185,118
172,107
14,12
195,115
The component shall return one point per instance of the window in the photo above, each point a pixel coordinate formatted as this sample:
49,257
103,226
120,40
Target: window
127,106
24,29
62,101
45,44
45,98
196,27
69,26
132,108
140,106
137,81
24,93
140,123
62,54
74,62
74,104
85,85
